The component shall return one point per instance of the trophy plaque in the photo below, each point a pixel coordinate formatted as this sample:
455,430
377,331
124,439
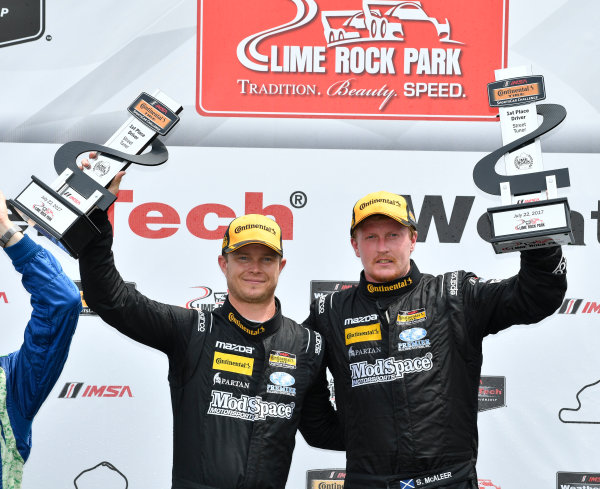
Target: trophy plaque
531,214
60,210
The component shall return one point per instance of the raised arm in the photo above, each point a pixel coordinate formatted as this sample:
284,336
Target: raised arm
32,371
528,297
161,326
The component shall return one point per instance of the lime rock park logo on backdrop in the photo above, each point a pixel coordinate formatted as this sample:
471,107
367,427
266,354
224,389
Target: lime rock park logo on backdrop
428,59
21,21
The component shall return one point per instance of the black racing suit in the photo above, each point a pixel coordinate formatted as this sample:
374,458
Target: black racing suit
237,387
406,360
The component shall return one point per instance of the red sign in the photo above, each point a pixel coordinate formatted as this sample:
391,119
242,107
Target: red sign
428,59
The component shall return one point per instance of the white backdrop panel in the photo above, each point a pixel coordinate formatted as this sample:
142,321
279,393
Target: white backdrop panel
522,445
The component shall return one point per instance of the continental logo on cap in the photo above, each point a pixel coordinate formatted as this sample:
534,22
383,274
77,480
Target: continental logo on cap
415,316
271,230
389,288
238,323
369,332
398,203
233,363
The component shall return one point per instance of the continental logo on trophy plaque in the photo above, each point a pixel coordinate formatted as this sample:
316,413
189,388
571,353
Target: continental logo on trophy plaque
60,210
531,215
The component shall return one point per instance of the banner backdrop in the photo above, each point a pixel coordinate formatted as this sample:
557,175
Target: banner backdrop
112,400
68,70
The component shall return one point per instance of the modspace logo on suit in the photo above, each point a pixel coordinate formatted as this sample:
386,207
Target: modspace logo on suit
426,59
74,390
21,21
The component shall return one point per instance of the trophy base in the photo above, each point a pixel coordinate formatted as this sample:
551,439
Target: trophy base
531,225
55,217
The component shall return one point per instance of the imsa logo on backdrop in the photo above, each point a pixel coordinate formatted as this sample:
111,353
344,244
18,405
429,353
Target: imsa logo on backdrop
579,306
21,21
577,480
71,390
325,479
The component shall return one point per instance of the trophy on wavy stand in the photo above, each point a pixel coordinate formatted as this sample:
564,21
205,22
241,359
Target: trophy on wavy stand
60,210
531,215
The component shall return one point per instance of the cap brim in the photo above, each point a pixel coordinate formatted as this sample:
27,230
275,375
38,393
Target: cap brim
237,246
395,218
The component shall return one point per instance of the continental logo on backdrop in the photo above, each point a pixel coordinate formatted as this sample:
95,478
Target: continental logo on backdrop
21,21
326,479
233,363
358,334
350,58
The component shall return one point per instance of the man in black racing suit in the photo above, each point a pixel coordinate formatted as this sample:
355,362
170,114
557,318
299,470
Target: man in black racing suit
241,377
405,351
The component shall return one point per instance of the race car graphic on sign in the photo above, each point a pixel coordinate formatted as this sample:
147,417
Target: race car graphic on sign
426,59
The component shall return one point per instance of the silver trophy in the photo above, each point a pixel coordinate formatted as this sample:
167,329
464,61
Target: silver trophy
60,210
531,215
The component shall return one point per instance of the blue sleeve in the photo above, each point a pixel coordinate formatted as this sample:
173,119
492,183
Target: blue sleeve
56,303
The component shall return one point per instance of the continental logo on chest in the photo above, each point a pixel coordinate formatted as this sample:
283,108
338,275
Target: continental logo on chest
233,363
412,317
374,289
245,329
278,358
388,369
368,332
412,339
248,408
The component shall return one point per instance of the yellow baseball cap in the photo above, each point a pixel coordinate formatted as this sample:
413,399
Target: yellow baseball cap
252,229
385,203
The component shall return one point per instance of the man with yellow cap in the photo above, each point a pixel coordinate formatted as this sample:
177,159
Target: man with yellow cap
404,349
241,377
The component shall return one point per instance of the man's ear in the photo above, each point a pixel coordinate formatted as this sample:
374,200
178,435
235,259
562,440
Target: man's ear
354,244
413,241
223,264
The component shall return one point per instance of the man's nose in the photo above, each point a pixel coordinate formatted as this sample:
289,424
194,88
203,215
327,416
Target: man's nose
382,246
